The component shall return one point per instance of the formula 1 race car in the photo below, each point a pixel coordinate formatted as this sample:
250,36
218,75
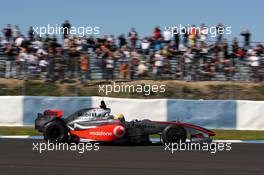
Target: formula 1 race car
97,124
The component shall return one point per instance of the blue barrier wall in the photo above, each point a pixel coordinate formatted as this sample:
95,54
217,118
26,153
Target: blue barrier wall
34,105
207,113
218,114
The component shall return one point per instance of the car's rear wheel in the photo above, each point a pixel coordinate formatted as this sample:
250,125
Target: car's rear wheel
174,134
56,131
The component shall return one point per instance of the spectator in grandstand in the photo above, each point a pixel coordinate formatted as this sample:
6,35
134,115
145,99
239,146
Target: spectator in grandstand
117,54
66,28
2,42
240,53
158,65
203,51
22,62
111,42
124,68
219,28
158,38
207,71
66,44
133,37
58,70
10,52
91,41
188,61
7,31
134,63
255,64
37,43
185,37
157,33
157,44
32,58
110,68
235,46
224,49
31,33
145,44
167,69
183,48
142,70
124,62
16,31
165,51
51,65
167,36
84,66
43,66
122,40
246,34
193,36
203,33
73,57
228,68
176,39
259,49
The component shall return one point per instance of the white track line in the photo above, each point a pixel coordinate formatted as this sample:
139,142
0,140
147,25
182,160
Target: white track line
152,139
222,141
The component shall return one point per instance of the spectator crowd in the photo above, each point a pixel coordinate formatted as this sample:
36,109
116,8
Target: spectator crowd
191,56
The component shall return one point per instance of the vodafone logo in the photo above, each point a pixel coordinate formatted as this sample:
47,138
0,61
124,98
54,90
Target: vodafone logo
119,131
101,133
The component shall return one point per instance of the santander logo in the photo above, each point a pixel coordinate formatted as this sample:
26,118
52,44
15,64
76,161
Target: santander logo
119,131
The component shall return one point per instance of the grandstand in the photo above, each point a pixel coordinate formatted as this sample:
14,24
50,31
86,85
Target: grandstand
151,57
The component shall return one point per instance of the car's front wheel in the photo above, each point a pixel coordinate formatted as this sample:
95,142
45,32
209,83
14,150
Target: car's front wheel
56,131
174,134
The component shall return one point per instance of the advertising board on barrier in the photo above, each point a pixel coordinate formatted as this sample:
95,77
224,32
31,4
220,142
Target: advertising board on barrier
217,114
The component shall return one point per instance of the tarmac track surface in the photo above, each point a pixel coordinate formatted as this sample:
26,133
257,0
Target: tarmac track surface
18,158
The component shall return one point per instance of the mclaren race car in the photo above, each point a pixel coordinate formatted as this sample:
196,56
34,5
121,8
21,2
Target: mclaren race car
97,124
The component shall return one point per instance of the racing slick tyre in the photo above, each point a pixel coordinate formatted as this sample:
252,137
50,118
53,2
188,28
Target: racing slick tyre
56,131
174,134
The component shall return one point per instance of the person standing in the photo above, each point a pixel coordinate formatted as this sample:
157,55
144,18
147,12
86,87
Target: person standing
176,38
133,37
122,40
255,65
246,34
220,29
31,33
66,28
8,32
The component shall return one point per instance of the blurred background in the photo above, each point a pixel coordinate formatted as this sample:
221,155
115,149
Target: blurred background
133,47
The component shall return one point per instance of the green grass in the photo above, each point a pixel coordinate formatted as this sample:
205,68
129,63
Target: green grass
238,135
221,87
39,89
259,89
220,134
6,130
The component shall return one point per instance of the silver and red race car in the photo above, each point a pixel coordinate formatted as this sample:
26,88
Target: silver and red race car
97,124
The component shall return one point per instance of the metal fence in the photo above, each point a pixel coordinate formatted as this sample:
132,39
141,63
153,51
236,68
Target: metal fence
98,71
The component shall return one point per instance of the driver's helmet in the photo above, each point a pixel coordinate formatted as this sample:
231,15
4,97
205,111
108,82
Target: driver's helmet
119,117
102,112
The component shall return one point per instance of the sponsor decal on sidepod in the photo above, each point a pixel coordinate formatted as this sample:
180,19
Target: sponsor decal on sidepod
118,131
